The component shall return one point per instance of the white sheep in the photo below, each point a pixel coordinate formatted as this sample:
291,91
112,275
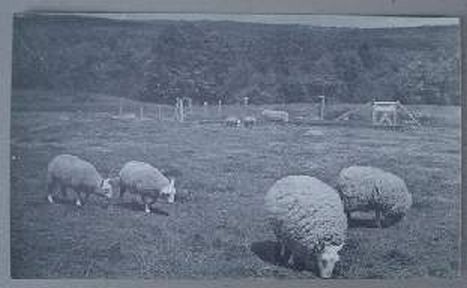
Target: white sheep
275,115
71,172
308,219
232,121
249,121
364,188
148,182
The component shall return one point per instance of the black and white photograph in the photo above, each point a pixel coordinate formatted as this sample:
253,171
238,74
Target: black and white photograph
235,146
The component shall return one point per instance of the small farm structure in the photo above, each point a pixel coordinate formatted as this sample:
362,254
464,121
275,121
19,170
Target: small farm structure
387,113
384,114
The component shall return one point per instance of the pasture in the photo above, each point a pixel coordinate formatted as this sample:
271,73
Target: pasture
217,227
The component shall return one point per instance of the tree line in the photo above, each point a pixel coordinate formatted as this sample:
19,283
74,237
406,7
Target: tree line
161,60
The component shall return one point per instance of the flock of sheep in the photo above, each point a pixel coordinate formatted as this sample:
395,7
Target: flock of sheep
250,121
308,217
68,172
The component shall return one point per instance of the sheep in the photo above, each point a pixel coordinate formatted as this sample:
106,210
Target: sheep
67,171
275,115
232,121
249,121
148,182
307,216
364,188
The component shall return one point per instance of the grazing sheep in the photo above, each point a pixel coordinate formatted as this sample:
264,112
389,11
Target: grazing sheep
308,220
364,188
146,181
249,121
275,115
232,121
70,172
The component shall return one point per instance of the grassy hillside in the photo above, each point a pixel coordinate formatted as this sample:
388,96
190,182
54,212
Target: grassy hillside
160,60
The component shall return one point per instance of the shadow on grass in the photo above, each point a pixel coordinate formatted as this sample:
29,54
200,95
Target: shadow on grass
137,207
268,251
371,223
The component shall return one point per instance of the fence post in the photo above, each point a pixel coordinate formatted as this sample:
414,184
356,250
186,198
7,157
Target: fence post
219,107
205,108
322,107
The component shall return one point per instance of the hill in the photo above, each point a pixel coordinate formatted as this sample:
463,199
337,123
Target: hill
160,60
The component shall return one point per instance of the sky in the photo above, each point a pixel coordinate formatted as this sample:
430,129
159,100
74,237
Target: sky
312,20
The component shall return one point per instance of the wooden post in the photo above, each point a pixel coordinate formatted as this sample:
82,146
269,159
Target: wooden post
120,110
205,108
159,112
322,107
394,123
373,114
141,113
219,107
182,115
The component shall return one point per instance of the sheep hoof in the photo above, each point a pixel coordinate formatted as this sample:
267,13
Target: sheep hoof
50,199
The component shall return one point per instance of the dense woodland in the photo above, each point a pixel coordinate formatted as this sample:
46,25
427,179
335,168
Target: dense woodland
160,60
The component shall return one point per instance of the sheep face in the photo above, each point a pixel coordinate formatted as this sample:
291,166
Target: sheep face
106,187
170,191
327,259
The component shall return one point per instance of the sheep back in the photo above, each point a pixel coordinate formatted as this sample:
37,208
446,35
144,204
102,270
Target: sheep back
275,115
306,211
142,177
73,171
364,188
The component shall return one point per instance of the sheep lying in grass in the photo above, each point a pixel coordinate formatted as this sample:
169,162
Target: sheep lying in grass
146,181
70,172
232,121
364,188
249,121
275,115
308,220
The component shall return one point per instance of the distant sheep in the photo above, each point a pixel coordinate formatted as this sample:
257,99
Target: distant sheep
249,121
275,115
148,182
70,172
364,188
232,121
308,220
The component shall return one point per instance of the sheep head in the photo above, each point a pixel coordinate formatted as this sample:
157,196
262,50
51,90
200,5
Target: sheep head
327,259
170,191
106,187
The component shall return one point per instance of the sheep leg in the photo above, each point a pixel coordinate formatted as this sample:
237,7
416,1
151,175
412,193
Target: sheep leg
122,191
63,191
291,260
285,254
50,191
147,209
378,217
79,200
86,196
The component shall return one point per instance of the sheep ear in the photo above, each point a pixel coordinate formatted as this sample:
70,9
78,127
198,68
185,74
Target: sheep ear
339,247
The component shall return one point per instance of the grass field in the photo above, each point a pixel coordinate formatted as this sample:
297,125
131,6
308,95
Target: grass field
217,228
